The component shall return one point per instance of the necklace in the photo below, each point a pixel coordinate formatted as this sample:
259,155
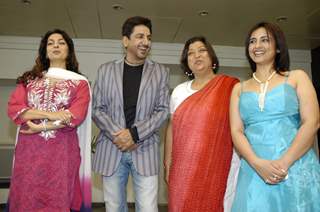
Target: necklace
133,64
263,89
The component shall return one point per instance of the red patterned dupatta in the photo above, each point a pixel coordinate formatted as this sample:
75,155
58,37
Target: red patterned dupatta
202,149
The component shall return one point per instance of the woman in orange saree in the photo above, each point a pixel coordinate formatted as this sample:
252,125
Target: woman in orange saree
198,147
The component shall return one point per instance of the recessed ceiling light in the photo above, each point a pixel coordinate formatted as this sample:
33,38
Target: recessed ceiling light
282,19
26,2
117,7
203,13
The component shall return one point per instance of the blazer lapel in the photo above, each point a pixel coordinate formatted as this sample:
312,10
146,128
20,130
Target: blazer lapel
118,75
145,78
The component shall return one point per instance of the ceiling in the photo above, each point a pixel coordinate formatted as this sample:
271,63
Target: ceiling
174,21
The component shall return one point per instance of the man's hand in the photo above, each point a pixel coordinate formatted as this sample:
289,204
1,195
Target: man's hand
132,147
123,140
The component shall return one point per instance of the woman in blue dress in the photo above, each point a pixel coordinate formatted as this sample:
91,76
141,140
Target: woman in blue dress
274,118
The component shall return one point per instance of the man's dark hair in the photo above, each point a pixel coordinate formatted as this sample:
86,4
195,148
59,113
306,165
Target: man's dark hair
130,23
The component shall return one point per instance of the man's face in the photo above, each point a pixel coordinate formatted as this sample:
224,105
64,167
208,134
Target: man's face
138,45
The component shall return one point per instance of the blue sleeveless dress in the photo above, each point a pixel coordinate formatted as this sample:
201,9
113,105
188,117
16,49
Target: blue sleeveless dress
270,133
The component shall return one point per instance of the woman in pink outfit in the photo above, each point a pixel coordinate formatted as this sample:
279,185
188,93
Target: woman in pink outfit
49,104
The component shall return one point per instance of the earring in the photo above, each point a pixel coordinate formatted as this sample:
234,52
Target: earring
188,74
214,66
278,51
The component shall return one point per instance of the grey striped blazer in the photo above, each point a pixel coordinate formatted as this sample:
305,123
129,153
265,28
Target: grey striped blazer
108,114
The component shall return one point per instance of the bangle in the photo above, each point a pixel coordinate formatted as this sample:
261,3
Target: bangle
57,122
44,124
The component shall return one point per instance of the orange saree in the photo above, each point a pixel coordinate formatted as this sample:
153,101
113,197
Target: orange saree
202,149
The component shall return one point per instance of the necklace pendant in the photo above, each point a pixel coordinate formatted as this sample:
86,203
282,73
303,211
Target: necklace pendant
263,89
261,101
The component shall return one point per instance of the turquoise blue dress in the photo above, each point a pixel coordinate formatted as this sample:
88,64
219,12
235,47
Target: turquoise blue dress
270,133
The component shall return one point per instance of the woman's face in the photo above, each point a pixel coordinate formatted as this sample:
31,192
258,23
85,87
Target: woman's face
57,48
262,47
199,60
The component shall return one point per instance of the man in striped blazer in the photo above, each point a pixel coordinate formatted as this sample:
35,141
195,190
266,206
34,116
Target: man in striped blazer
130,103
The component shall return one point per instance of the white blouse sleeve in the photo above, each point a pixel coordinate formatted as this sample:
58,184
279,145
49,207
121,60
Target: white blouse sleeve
173,101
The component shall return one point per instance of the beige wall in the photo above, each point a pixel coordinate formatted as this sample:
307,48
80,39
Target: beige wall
7,129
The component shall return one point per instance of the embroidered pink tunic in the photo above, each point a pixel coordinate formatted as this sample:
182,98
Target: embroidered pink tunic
46,165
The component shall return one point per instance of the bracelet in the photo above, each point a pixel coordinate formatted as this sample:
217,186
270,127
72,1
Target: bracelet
44,125
57,122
